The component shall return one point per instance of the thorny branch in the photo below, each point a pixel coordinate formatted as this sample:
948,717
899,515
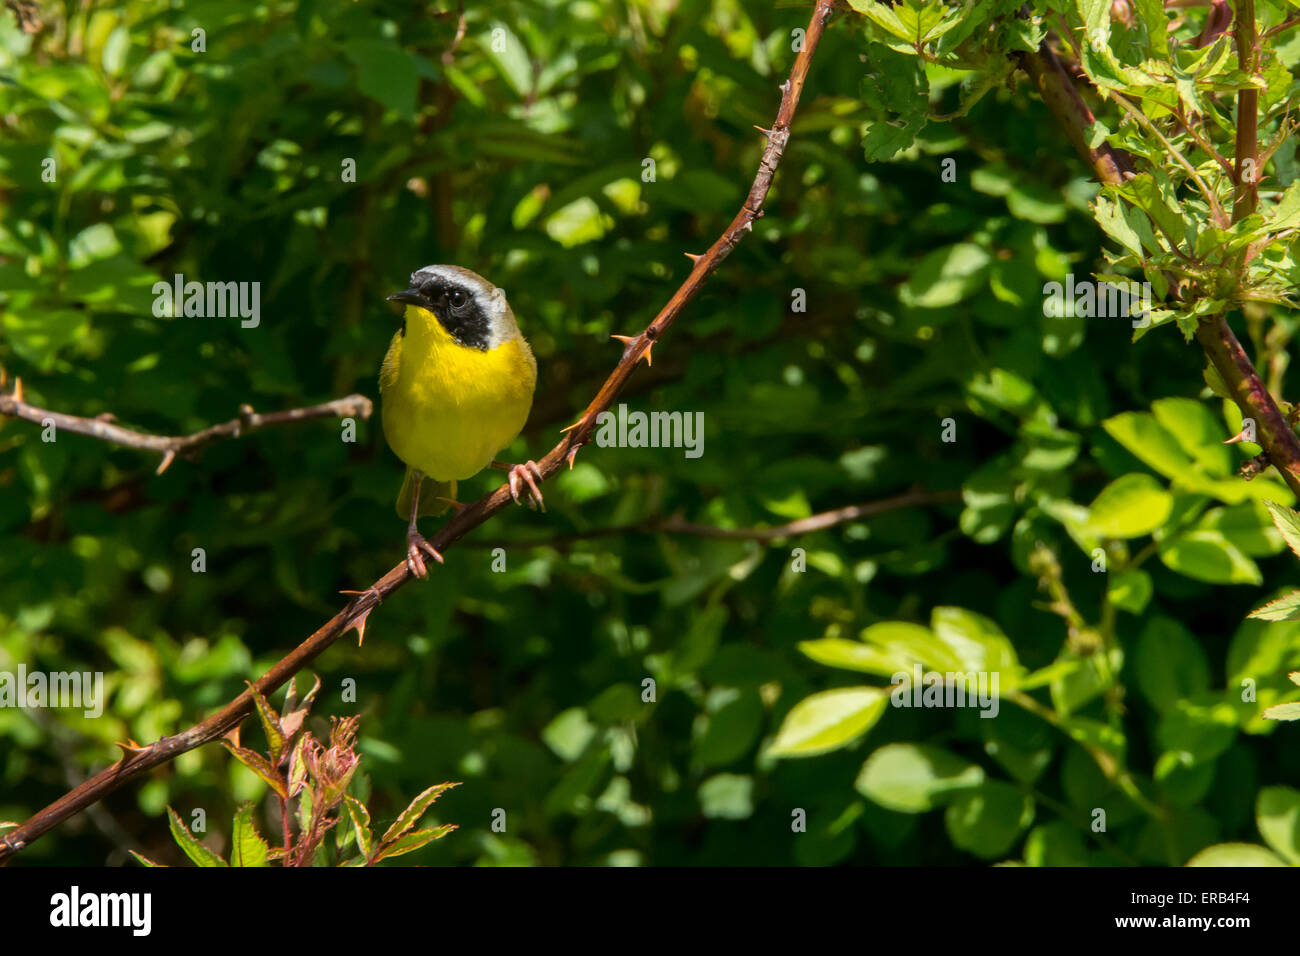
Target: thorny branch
137,759
676,525
170,446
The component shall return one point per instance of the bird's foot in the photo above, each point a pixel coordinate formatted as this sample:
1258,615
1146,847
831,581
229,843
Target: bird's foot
526,473
416,543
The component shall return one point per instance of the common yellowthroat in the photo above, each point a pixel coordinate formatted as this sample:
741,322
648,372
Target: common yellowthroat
457,385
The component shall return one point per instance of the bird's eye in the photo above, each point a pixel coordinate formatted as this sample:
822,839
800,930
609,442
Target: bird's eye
457,299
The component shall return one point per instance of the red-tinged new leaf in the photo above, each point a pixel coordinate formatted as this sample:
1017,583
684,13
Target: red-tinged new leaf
1289,711
361,824
145,861
1285,608
247,848
295,713
412,841
189,844
270,724
411,815
1288,522
255,762
298,765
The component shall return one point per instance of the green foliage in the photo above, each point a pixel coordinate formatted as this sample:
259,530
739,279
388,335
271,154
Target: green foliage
1100,558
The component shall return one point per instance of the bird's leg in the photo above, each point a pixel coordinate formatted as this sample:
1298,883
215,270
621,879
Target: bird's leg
526,471
415,542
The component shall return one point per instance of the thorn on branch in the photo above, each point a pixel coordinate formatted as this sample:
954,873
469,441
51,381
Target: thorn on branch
358,624
630,340
129,747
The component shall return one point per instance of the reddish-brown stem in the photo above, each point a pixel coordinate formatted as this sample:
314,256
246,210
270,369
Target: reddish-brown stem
1111,165
676,525
1246,195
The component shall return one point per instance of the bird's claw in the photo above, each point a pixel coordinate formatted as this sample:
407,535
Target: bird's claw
415,543
526,471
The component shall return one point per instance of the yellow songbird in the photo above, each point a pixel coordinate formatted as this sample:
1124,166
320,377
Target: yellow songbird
457,386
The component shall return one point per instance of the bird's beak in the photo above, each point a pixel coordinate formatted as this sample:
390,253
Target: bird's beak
406,297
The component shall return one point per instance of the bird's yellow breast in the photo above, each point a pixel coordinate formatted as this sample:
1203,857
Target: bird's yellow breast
449,408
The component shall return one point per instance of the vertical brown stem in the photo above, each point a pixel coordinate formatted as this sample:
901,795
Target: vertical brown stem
1246,196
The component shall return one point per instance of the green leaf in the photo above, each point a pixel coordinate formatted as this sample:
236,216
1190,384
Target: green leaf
1285,608
910,644
1198,432
509,56
1171,665
1207,555
569,733
1288,711
733,722
1130,506
408,817
1152,197
255,762
896,89
247,848
199,854
1235,854
828,720
1277,814
853,656
1202,727
412,841
946,276
386,73
913,778
727,796
978,643
1288,523
986,820
1156,22
270,724
360,817
115,51
1248,526
1150,442
1109,214
883,16
1129,590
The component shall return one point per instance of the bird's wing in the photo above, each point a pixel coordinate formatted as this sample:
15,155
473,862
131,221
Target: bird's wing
392,362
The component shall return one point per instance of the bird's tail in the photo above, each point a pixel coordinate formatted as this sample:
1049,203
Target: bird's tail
432,495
